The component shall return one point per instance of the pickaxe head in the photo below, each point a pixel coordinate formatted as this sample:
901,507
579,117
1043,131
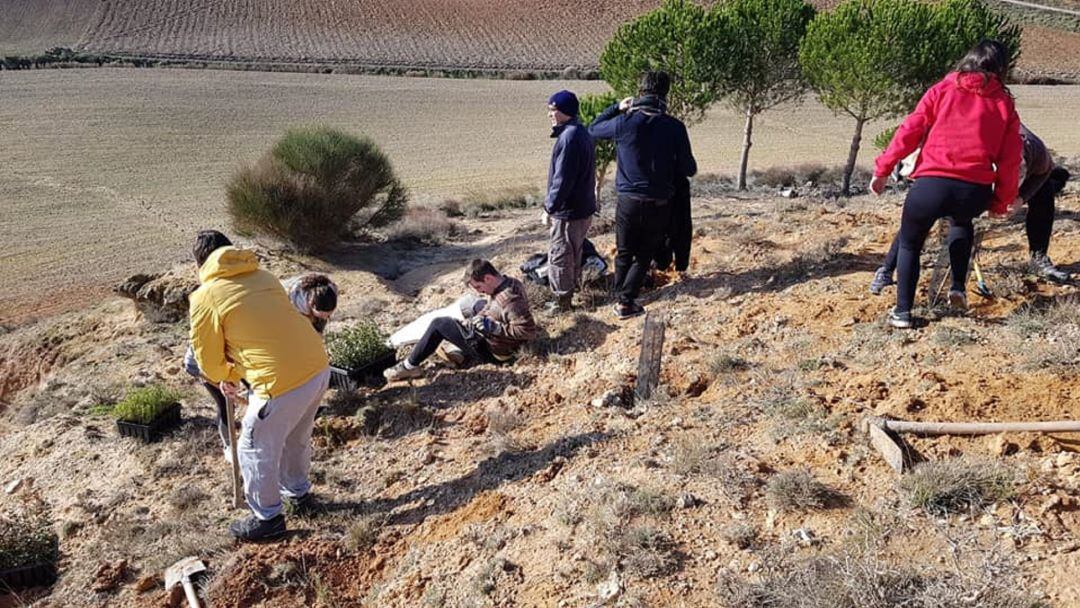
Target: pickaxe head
183,569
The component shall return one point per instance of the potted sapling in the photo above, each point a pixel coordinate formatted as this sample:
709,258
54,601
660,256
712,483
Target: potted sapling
147,413
358,356
29,549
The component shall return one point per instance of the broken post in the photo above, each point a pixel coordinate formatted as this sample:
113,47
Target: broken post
652,346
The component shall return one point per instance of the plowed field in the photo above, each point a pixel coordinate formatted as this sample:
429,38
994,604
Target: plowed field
477,34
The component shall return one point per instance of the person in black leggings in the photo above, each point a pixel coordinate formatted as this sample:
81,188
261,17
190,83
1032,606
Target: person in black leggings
969,132
1041,184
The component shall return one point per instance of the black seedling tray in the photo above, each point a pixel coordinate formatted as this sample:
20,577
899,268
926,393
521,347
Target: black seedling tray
148,433
41,574
369,375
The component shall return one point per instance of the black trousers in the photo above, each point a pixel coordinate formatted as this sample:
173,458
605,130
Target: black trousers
640,224
1038,225
680,231
451,330
930,199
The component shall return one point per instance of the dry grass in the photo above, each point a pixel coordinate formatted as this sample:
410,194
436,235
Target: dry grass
799,491
424,226
957,485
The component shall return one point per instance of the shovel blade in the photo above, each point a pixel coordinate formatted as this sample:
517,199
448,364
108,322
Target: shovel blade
183,569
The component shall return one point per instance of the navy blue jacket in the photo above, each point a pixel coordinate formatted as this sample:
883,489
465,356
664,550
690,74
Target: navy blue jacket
651,151
571,191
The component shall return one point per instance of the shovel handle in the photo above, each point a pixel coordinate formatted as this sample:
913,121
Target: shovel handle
238,487
189,591
981,428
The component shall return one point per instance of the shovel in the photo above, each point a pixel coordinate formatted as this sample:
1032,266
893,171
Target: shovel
882,432
181,572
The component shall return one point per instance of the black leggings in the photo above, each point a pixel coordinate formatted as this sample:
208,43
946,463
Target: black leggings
930,199
451,330
1038,225
1040,217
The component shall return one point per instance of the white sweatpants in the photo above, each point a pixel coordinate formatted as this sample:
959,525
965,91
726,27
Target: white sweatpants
275,445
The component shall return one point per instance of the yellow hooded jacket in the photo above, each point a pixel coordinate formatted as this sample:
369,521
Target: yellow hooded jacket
244,326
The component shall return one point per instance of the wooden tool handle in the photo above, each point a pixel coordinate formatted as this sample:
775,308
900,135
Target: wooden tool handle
238,485
981,428
189,591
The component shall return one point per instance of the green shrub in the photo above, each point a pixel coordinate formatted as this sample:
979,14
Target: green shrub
356,346
143,405
27,537
315,187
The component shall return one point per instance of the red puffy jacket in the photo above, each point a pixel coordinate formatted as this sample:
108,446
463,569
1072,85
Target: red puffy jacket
969,130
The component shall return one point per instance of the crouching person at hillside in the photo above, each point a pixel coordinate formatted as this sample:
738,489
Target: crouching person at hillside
493,335
243,327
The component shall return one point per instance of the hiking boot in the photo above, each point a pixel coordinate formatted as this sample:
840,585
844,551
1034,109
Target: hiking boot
1044,268
629,311
882,279
253,529
901,320
300,505
400,372
957,299
454,357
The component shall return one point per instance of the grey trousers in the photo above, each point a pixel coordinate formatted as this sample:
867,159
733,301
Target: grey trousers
564,254
275,445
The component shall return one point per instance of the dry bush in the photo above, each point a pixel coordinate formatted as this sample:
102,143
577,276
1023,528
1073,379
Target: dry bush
798,490
645,551
186,497
952,337
740,535
1046,334
362,534
501,422
424,225
956,485
489,202
783,177
849,578
692,455
727,363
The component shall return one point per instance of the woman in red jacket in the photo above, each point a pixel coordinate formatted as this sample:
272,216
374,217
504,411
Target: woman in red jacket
969,132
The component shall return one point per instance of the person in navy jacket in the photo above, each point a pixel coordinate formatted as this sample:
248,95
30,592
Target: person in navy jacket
571,197
652,152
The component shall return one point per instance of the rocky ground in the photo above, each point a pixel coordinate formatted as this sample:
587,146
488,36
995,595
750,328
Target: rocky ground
524,486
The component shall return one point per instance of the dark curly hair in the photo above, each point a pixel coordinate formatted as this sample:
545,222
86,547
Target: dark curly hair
321,290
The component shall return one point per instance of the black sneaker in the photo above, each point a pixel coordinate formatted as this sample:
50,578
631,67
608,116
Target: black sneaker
629,311
1044,268
253,529
958,299
881,280
901,320
561,304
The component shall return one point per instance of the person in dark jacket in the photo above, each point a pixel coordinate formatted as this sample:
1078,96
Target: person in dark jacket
1042,181
652,152
571,197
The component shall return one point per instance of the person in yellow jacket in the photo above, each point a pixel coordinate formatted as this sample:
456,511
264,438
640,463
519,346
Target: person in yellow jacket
244,326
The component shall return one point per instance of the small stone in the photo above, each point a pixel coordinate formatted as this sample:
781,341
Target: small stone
710,555
753,567
789,193
610,588
805,536
13,487
688,501
1064,459
147,583
676,423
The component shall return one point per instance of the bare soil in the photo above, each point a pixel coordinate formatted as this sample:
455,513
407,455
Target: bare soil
470,513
